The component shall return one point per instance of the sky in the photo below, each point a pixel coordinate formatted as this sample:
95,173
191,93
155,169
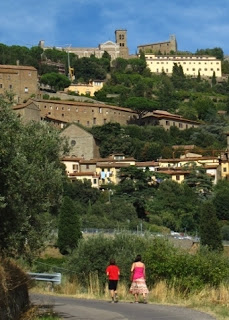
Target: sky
197,24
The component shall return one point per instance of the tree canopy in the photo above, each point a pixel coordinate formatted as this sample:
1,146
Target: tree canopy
31,183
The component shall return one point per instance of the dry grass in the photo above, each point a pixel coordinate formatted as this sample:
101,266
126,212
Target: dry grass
210,300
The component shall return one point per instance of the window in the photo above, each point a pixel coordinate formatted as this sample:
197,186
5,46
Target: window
104,121
62,108
87,166
94,181
224,169
26,90
76,109
10,86
73,143
69,108
94,120
167,122
57,108
100,110
180,125
62,114
1,86
88,123
177,178
75,167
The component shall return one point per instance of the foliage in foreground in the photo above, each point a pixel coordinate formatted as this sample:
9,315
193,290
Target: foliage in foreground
163,261
31,178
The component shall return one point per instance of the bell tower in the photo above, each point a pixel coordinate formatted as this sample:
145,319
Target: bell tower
121,40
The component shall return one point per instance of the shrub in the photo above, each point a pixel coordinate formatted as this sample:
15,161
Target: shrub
163,261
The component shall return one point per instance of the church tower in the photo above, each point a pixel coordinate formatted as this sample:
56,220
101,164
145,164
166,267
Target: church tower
121,40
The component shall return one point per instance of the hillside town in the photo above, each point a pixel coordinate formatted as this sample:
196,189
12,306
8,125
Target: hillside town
113,160
67,114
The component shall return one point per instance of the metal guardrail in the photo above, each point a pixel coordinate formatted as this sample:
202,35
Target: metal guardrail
55,278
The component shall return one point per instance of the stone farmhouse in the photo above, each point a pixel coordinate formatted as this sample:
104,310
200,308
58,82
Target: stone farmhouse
22,81
115,49
192,65
168,120
165,47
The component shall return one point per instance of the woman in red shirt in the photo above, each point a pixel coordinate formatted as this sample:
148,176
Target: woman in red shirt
113,273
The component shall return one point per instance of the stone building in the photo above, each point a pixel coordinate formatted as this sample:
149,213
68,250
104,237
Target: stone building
87,114
28,111
192,65
82,143
165,47
22,81
167,120
115,49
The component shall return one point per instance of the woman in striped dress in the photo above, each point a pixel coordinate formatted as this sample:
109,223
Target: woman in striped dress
138,275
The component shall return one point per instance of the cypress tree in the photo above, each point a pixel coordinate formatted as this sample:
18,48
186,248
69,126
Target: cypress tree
213,79
210,235
68,227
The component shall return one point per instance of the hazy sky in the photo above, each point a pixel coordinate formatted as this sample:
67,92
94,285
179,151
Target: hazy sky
197,24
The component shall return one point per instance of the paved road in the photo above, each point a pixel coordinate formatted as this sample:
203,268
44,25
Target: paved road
81,309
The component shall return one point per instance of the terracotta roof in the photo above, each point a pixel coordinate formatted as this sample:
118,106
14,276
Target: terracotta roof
166,115
22,106
84,104
15,67
187,159
70,159
113,165
147,164
84,174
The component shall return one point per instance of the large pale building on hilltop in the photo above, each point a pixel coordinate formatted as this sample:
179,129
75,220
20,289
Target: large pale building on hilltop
192,65
115,49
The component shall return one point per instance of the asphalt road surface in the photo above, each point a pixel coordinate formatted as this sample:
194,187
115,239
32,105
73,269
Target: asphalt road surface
81,309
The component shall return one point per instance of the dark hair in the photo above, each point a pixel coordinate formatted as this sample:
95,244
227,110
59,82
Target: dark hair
138,258
112,261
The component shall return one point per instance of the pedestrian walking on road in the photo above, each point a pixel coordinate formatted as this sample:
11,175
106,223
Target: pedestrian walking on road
138,276
113,273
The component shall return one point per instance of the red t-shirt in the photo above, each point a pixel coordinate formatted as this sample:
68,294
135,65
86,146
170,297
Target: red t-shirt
113,272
